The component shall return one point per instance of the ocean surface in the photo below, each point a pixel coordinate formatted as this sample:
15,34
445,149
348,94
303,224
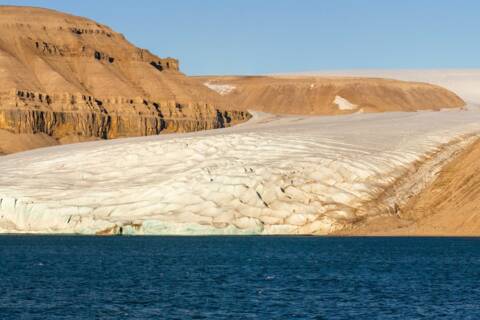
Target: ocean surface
73,277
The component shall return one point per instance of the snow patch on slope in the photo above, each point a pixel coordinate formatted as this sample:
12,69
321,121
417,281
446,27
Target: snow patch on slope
222,89
344,104
464,82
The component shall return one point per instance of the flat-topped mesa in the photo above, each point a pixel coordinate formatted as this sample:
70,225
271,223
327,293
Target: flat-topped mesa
65,75
327,95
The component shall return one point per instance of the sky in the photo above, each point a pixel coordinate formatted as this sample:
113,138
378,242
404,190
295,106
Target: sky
280,36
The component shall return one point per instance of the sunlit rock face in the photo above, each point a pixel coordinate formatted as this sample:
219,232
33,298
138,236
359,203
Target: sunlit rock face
273,175
74,79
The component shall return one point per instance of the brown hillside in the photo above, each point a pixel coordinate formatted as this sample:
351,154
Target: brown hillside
63,75
65,79
316,95
449,206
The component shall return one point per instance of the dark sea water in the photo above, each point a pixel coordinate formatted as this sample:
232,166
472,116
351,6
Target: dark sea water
61,277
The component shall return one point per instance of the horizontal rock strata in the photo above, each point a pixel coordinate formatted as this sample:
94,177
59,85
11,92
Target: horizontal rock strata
64,115
67,76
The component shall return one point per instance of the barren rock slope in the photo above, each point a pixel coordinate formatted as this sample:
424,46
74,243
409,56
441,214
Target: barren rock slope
63,75
450,206
330,94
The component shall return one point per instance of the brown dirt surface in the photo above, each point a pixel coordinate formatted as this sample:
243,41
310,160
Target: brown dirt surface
450,206
315,95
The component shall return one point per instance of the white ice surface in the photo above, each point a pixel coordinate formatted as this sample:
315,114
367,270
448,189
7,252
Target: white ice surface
274,174
222,89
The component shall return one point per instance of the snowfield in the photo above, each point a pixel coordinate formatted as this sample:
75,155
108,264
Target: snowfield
222,89
344,104
272,175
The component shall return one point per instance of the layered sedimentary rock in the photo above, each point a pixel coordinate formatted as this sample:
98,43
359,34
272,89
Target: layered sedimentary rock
67,76
61,115
328,95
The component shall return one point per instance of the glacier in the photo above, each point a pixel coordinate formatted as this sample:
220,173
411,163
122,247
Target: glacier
272,175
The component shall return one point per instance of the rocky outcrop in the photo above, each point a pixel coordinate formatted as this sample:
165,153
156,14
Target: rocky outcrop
65,115
67,76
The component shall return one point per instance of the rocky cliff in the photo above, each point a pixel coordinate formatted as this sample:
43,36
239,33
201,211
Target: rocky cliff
74,79
61,115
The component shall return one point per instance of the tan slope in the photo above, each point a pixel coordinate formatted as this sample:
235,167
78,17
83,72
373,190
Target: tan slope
74,79
11,143
318,95
449,206
47,51
464,82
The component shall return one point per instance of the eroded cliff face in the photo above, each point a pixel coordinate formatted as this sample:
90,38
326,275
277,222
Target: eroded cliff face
67,76
60,116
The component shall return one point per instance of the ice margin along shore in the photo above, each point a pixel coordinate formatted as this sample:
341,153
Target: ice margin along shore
272,175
